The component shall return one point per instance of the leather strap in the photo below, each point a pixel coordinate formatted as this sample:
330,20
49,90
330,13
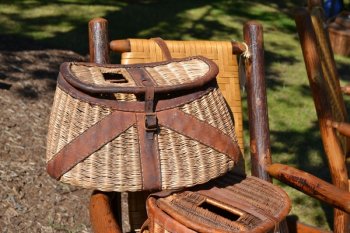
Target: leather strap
147,127
90,141
163,46
150,163
201,131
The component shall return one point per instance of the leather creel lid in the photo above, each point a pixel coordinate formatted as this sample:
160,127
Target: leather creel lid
169,76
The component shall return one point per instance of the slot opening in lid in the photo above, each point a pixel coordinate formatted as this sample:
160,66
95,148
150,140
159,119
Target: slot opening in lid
114,78
211,207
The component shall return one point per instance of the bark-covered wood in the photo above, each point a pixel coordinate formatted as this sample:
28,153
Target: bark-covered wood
331,144
257,101
98,41
311,185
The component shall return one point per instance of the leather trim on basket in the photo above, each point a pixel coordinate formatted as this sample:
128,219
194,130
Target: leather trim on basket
200,131
162,219
129,106
95,89
88,142
163,46
150,165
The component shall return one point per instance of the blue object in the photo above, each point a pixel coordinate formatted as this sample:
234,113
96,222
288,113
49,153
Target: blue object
332,7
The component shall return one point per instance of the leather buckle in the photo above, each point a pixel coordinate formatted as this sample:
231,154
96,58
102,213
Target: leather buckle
151,122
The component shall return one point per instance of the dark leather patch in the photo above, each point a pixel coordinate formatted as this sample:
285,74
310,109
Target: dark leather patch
90,141
200,131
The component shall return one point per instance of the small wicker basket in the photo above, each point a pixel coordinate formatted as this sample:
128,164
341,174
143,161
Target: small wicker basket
228,204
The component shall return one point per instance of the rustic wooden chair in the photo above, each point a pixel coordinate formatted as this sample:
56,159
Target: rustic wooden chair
331,113
225,54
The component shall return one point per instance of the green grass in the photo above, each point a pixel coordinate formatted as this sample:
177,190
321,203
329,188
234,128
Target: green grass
294,131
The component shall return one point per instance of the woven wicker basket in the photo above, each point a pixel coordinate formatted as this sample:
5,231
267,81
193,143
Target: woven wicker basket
103,134
228,204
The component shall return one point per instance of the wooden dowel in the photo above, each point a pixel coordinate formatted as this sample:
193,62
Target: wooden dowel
342,127
122,46
98,41
257,101
311,186
238,47
101,214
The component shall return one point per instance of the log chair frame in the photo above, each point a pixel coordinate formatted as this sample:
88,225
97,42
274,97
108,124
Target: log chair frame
101,212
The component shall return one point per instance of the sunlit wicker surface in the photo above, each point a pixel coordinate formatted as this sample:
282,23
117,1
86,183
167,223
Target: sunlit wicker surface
265,205
116,165
143,51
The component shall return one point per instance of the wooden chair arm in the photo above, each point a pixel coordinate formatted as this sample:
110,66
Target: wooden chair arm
342,127
311,186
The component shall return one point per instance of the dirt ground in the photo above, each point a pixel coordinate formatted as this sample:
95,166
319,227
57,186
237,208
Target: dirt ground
31,201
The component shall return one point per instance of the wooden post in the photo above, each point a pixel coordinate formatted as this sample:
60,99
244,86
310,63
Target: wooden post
101,214
257,101
98,41
330,141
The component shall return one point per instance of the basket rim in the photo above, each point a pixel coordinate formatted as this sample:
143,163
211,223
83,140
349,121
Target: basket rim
72,79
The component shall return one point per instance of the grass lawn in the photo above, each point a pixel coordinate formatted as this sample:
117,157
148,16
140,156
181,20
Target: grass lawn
62,24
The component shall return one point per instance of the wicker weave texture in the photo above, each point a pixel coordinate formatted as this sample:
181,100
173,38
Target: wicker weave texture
178,72
269,201
116,165
95,75
174,73
69,118
144,51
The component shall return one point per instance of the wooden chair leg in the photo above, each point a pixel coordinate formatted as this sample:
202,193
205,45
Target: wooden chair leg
101,214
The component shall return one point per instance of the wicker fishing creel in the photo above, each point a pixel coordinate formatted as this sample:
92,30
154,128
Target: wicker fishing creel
228,204
138,127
